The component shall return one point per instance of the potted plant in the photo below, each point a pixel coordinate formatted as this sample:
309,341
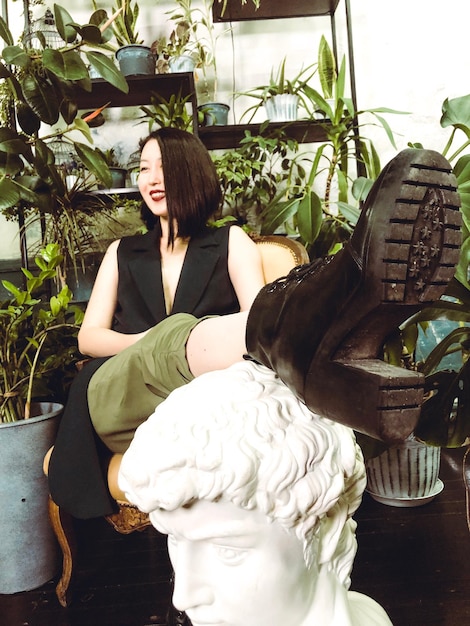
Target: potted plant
43,80
118,172
263,169
282,96
134,58
178,53
38,338
198,30
172,112
40,88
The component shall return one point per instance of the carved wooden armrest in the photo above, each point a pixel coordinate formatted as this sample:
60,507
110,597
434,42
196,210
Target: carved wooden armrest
128,518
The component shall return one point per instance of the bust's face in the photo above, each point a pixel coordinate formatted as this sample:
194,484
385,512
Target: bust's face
235,568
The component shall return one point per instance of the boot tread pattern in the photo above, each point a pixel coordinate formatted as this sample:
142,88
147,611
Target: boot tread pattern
423,242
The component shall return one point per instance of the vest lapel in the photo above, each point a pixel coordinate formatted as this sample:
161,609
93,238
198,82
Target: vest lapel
146,272
198,268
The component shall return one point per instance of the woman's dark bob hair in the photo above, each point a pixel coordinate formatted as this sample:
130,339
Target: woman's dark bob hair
192,187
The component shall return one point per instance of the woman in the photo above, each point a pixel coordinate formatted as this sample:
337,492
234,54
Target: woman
181,192
180,266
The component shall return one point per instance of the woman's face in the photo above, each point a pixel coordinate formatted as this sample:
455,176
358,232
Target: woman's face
151,181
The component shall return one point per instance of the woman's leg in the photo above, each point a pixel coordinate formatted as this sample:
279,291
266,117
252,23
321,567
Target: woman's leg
216,343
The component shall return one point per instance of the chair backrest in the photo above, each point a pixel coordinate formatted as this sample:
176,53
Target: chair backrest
280,254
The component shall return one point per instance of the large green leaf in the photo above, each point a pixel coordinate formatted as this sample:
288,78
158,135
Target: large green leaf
63,21
5,32
277,213
456,112
10,164
12,143
108,70
66,65
98,18
14,55
83,127
326,68
27,119
12,192
309,217
42,98
90,34
94,162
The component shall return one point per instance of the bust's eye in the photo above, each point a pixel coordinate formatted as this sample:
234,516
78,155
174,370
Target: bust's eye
230,555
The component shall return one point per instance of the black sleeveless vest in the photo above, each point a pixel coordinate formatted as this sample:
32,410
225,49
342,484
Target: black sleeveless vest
204,286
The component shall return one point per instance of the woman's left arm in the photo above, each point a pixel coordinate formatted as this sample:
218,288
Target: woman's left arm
244,266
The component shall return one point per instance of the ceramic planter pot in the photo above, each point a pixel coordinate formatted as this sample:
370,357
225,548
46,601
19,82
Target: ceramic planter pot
136,60
215,113
282,108
183,63
405,475
29,554
118,175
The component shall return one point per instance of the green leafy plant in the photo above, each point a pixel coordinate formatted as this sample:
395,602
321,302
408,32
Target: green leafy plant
279,84
180,42
263,170
172,112
40,88
36,337
194,33
43,80
124,23
324,221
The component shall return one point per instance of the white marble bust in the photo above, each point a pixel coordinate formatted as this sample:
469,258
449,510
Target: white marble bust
256,495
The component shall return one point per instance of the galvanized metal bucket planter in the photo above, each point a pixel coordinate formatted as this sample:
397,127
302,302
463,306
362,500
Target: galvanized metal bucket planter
29,554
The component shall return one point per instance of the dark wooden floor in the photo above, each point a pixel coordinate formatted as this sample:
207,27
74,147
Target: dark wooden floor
413,561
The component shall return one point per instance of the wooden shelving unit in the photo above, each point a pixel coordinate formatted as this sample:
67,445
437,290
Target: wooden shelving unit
271,9
222,137
140,91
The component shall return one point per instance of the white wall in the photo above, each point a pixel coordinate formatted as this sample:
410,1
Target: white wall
409,56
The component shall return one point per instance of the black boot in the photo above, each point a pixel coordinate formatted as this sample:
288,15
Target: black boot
322,327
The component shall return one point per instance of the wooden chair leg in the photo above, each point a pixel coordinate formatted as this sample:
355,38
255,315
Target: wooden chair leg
62,525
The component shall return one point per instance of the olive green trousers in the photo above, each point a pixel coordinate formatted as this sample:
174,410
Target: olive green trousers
127,388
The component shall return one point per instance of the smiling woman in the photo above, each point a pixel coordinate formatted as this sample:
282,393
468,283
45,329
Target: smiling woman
146,315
